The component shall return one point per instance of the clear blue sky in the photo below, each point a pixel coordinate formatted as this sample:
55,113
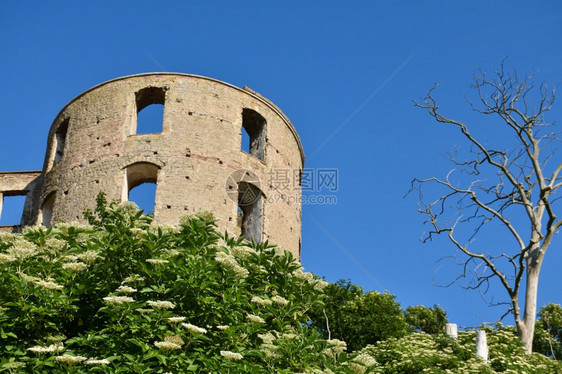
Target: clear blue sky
351,66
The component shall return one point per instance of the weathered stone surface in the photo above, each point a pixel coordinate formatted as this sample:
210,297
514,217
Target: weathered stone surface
93,143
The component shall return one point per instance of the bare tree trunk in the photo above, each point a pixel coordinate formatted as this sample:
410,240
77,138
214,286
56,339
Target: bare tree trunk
526,327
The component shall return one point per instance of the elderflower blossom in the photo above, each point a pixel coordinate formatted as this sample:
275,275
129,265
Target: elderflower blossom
51,348
161,304
6,259
118,300
157,261
70,360
267,338
137,232
95,361
13,365
49,285
363,359
231,355
167,346
254,318
299,274
335,347
22,249
133,278
89,256
28,278
193,328
222,327
74,266
258,300
243,252
280,300
320,285
176,319
230,263
54,244
126,289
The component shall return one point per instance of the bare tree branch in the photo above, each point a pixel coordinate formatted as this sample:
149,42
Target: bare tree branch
498,183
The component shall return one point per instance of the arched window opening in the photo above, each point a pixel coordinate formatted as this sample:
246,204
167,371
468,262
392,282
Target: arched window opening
150,110
140,185
144,196
11,209
250,214
60,141
254,125
47,207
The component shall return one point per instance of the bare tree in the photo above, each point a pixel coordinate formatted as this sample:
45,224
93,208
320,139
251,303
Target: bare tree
500,186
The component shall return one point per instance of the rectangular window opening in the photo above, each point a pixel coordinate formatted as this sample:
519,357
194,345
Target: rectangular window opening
11,209
150,110
60,141
254,125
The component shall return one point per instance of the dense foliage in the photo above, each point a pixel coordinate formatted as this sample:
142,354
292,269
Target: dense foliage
429,320
358,318
122,295
548,331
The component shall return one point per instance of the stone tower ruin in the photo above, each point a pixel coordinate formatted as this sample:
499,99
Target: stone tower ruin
196,161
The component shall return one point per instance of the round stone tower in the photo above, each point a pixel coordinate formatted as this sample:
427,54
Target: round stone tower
198,160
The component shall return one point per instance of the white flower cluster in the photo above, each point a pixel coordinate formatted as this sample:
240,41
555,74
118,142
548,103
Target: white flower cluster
13,365
6,259
133,278
361,363
193,328
254,318
70,360
49,285
22,249
161,304
230,263
74,266
258,300
118,300
126,289
176,319
64,227
299,274
167,346
243,252
170,342
95,361
89,256
335,347
54,245
231,355
137,232
165,228
320,284
51,348
157,261
280,300
222,327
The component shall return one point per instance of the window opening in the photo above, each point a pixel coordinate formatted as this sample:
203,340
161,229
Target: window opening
150,110
140,186
253,124
60,141
250,214
144,196
47,210
11,209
